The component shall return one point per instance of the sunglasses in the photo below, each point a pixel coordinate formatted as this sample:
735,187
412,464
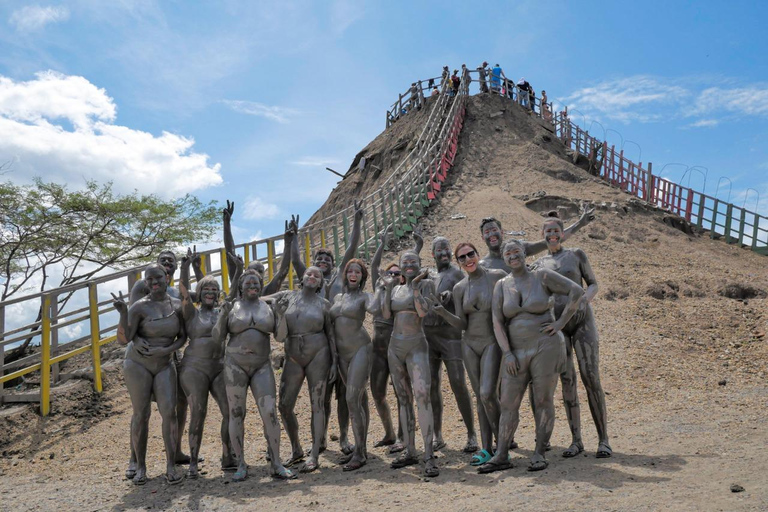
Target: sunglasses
470,255
394,273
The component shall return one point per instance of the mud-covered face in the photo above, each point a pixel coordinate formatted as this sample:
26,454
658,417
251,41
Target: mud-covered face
409,263
354,276
313,278
442,254
324,262
167,260
251,287
514,256
492,235
209,295
394,271
553,235
156,280
468,258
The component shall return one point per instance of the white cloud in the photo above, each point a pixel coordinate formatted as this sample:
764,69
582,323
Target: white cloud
314,161
33,17
62,128
704,123
275,113
257,209
344,13
752,101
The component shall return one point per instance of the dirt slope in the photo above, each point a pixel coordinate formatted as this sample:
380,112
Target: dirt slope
684,368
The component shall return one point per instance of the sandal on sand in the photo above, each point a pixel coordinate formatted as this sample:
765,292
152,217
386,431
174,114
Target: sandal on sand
295,460
480,458
470,447
603,451
384,442
345,459
129,474
353,465
240,475
490,466
309,467
438,445
573,450
174,479
538,464
140,480
398,446
430,468
403,461
193,474
284,474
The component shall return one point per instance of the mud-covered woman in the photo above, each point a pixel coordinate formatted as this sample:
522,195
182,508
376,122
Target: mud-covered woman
355,352
581,337
249,322
409,357
533,349
472,298
154,329
202,369
310,352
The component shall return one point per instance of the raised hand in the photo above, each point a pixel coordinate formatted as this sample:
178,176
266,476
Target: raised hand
387,281
434,304
239,263
385,233
228,211
418,278
417,236
587,214
188,258
119,303
358,210
281,305
293,224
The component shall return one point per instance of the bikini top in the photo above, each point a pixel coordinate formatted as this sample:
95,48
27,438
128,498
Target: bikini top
481,301
262,320
166,326
565,263
534,300
349,309
402,299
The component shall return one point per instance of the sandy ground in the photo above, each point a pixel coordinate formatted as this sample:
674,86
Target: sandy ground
685,377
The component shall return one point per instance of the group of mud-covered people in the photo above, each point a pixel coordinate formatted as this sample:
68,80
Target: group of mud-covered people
511,327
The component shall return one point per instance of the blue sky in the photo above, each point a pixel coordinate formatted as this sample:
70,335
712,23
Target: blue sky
250,101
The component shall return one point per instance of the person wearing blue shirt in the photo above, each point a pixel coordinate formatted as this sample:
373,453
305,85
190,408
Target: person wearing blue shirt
496,78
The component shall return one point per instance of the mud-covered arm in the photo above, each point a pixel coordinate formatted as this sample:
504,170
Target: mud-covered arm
229,241
372,303
587,216
588,275
376,261
139,291
418,241
239,265
281,324
560,285
221,327
122,325
188,310
422,290
298,266
458,320
386,297
331,335
497,312
354,237
289,240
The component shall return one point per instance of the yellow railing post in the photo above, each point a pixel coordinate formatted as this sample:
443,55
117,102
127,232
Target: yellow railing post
270,259
93,307
45,363
322,237
290,276
307,249
203,259
246,254
224,271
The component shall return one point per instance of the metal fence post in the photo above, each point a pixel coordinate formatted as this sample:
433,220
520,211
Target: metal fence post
45,358
224,271
93,306
270,259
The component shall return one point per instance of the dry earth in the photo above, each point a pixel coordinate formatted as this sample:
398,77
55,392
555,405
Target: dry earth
683,366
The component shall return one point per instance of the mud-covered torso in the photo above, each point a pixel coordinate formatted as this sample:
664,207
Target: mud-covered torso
161,322
565,262
476,302
526,306
199,331
444,281
305,314
348,313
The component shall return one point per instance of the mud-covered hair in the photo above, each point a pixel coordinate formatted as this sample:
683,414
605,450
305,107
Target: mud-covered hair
488,220
363,270
553,216
153,266
513,241
409,251
323,250
256,263
460,246
247,273
439,239
205,281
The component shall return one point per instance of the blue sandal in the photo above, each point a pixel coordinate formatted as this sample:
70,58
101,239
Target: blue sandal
480,458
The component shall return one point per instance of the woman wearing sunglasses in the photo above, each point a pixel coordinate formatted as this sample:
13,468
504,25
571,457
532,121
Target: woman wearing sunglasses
482,355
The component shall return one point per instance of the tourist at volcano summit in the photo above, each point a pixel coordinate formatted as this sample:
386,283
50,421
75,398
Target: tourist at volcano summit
482,73
496,79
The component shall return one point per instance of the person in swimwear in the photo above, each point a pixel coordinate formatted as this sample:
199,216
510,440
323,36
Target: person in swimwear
310,351
154,330
249,322
482,356
409,357
355,351
201,370
581,337
533,349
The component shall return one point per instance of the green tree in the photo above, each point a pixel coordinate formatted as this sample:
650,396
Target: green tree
87,231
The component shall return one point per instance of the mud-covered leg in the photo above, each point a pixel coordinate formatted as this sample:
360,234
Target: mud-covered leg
139,382
544,385
417,363
436,399
181,420
219,393
317,380
402,383
458,382
571,402
290,385
489,384
512,393
356,382
379,382
237,391
586,344
264,392
165,387
342,412
195,386
472,364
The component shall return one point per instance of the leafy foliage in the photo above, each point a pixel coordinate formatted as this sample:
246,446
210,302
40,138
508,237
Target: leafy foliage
86,231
